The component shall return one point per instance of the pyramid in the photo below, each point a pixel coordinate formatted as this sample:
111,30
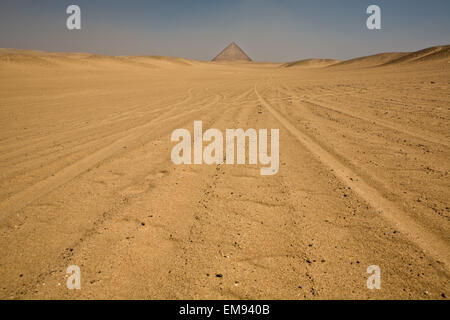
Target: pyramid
232,53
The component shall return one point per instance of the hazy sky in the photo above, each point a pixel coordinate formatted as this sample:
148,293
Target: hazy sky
281,30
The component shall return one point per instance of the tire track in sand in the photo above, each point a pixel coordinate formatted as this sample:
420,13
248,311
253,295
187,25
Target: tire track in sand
19,200
427,241
417,133
420,134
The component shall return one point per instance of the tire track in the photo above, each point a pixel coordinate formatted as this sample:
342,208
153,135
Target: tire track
120,208
429,242
23,198
92,234
34,142
92,141
427,136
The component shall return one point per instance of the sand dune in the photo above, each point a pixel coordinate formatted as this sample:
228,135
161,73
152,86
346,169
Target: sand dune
439,53
433,54
370,61
14,57
86,178
310,63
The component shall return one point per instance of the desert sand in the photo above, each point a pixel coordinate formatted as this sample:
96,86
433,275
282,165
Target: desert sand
87,179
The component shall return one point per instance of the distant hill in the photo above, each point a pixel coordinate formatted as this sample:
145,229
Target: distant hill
425,55
433,54
371,61
29,58
310,63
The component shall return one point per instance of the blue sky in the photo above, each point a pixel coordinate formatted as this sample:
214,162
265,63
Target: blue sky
281,30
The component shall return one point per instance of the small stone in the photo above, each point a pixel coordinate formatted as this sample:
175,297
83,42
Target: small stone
219,275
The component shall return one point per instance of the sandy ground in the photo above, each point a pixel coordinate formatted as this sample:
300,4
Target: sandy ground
87,180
